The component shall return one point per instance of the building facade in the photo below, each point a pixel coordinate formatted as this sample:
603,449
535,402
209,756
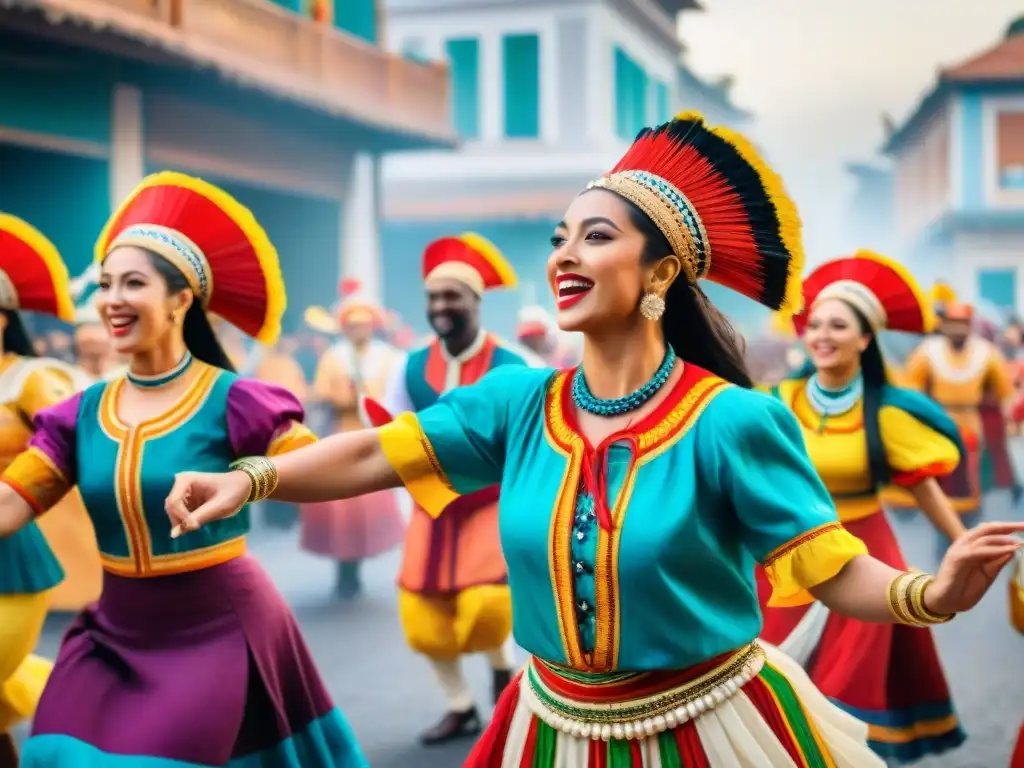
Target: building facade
958,177
288,113
546,97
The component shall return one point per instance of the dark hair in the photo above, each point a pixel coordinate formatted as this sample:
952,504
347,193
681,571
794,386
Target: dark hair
697,331
200,339
16,338
872,369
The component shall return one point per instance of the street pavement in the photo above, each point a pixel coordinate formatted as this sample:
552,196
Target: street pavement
388,694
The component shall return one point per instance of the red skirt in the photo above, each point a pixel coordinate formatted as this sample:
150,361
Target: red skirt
887,675
963,484
353,529
1017,761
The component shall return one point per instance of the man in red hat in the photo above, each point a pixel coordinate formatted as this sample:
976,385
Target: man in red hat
453,587
960,369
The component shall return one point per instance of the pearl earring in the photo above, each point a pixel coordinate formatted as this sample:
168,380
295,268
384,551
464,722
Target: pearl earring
652,306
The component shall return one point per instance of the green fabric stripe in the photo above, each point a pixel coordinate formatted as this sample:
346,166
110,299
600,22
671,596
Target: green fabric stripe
668,748
619,754
547,741
793,710
592,678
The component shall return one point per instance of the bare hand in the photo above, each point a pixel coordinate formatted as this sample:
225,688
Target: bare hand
970,566
198,498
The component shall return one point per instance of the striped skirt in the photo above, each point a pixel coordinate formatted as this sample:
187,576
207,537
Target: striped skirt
754,707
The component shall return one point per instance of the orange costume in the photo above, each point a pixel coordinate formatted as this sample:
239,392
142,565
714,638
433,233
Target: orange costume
960,380
454,597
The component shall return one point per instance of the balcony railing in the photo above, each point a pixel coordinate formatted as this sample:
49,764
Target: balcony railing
262,44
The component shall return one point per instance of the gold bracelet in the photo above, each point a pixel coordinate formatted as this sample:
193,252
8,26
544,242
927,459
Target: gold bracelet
262,476
906,600
921,612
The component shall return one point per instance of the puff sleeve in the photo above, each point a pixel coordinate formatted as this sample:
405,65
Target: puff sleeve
787,519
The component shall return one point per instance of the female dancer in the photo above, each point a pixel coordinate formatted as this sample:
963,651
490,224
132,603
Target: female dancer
191,655
862,434
32,277
639,488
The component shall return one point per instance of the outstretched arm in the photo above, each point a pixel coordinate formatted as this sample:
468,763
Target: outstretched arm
863,588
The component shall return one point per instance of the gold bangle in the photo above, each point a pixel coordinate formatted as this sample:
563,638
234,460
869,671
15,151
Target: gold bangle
262,476
899,602
921,612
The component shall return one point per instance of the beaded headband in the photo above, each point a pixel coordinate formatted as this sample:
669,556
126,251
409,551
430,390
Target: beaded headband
173,246
8,292
672,213
859,296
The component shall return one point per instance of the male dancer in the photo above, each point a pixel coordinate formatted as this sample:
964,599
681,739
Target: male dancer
453,596
959,370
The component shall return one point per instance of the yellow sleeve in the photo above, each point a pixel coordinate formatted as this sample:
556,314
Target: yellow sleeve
42,388
915,451
917,371
291,436
998,375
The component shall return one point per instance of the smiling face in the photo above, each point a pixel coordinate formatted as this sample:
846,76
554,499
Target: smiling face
135,302
452,307
834,338
595,268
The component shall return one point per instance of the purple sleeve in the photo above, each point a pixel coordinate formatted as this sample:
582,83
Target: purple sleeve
257,412
55,429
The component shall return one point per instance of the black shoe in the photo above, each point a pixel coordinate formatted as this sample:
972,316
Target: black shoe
454,725
500,678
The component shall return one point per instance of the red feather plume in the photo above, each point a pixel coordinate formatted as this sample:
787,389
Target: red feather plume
753,230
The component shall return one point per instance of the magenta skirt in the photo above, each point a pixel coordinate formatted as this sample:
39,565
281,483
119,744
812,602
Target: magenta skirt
205,668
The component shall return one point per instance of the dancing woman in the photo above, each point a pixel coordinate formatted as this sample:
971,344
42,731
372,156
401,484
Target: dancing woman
191,655
32,277
639,488
862,434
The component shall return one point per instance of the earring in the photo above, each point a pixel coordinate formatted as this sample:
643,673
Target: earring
652,306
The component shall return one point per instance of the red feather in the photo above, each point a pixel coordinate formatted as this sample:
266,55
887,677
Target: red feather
349,286
373,413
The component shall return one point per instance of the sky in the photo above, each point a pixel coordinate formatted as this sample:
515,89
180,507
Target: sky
819,74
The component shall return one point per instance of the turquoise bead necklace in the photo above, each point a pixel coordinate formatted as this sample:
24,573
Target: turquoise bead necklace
161,379
586,401
828,402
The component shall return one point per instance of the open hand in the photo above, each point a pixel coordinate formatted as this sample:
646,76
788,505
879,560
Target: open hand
198,498
971,564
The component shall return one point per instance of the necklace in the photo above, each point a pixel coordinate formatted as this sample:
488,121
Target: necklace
828,402
161,379
586,401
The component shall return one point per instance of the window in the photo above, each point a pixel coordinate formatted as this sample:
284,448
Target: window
521,62
999,288
464,60
662,106
357,17
1010,149
632,94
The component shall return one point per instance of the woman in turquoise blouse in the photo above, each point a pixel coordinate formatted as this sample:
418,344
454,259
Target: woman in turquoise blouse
191,658
639,489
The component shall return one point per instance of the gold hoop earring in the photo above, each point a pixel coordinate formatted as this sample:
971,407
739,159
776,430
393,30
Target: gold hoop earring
652,306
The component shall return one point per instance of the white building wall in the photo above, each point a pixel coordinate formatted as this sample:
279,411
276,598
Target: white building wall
977,251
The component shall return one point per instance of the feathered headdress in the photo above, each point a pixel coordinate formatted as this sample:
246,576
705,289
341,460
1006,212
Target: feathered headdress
781,324
471,259
353,306
216,243
942,294
722,209
880,289
32,274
